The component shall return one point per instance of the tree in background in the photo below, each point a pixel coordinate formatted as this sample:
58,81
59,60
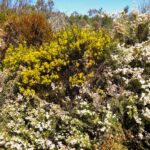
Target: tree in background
126,9
40,5
145,6
45,6
5,3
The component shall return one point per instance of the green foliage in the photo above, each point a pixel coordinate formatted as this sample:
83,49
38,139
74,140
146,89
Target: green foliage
2,18
134,85
96,18
143,31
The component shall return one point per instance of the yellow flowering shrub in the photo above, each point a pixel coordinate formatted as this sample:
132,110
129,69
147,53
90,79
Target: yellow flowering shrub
69,59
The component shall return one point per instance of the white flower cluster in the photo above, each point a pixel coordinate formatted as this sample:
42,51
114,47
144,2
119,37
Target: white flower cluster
128,25
33,121
132,74
32,126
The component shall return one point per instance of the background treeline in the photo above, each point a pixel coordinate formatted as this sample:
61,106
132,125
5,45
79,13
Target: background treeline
14,15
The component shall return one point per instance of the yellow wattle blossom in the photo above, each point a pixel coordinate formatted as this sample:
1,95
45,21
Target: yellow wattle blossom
68,58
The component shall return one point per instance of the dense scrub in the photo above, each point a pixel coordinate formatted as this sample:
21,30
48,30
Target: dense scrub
79,88
32,28
69,60
133,28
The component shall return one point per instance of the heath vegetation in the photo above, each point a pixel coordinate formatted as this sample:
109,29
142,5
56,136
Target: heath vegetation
78,82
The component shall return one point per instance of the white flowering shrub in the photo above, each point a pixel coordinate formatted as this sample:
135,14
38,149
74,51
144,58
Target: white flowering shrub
132,28
128,86
32,123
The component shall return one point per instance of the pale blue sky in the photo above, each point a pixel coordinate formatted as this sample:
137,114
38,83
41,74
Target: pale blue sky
82,6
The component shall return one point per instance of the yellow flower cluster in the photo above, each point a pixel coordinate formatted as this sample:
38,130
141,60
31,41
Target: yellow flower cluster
77,79
73,53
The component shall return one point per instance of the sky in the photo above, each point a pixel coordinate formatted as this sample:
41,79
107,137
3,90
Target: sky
82,6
